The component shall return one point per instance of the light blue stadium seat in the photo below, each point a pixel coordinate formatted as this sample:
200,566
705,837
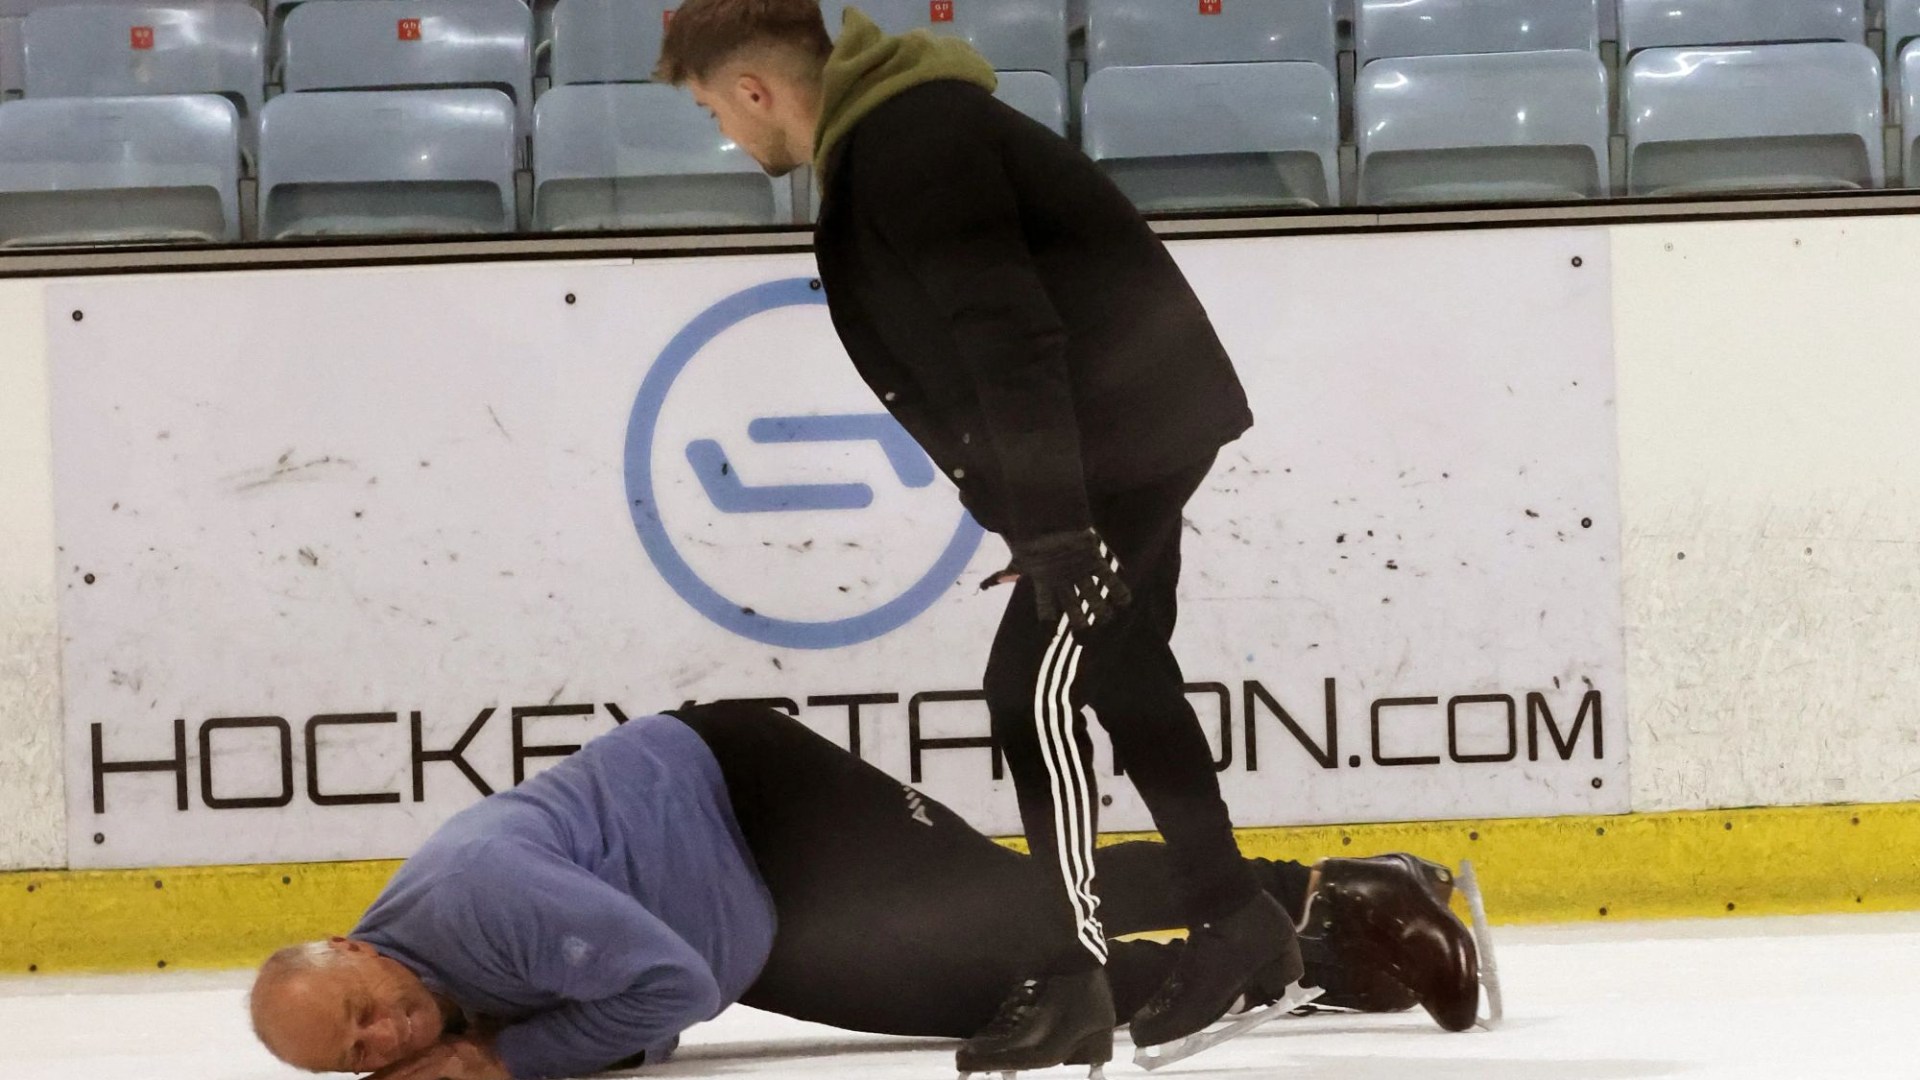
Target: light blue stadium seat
1384,28
409,161
126,50
632,156
1903,34
1014,35
11,61
1495,127
1910,126
892,16
1204,136
13,16
126,169
1037,94
607,41
1903,26
1666,24
366,45
1138,33
1772,117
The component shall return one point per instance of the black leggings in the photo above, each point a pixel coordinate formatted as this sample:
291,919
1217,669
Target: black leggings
895,916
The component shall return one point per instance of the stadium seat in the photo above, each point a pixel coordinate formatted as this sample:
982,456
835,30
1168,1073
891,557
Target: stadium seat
1216,136
1037,94
411,44
1910,126
1903,33
607,41
1014,35
413,161
631,156
1774,117
1513,126
10,60
126,50
1387,28
104,170
1139,33
1667,24
1903,26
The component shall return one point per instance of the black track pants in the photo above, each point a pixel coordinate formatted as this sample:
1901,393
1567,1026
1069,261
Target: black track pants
1040,677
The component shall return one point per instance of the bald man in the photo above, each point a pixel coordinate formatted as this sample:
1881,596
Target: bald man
725,853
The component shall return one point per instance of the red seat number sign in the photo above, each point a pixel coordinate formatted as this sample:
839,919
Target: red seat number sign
940,10
1210,7
409,29
143,37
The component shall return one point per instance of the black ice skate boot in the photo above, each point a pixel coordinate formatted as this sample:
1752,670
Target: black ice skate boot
1390,940
1253,948
1047,1021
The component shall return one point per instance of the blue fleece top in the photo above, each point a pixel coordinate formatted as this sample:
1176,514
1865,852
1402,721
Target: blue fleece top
598,910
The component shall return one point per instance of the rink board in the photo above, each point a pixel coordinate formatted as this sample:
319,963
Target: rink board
341,551
1711,864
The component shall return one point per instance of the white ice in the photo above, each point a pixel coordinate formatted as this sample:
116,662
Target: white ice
1748,999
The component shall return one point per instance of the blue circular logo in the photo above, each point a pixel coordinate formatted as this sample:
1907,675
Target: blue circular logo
734,615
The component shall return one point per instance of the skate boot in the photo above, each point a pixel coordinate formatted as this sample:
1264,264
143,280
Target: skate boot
1048,1021
1391,940
1254,947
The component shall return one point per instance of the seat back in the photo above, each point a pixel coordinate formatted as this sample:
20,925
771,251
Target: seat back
408,161
1910,112
129,50
1902,33
632,156
1138,33
410,44
1037,94
1903,26
1214,136
1493,127
1775,117
1014,35
11,60
608,41
101,170
1666,24
1386,28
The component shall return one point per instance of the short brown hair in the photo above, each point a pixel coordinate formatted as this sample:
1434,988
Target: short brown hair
703,34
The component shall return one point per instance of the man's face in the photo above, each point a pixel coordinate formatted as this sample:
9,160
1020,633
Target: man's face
362,1013
743,106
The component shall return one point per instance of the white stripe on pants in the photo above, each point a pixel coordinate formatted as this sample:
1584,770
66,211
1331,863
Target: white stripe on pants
1073,813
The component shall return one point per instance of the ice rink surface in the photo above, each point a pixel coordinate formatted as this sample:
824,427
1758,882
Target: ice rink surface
1740,999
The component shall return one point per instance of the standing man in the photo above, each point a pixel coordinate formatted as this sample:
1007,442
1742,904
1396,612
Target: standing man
1016,314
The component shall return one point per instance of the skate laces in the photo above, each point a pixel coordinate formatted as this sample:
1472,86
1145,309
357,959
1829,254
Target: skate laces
1176,982
1013,1010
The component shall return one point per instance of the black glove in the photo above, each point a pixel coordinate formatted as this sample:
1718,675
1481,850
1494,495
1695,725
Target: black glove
1072,573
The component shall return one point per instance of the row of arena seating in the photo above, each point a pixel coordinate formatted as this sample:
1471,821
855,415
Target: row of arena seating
141,123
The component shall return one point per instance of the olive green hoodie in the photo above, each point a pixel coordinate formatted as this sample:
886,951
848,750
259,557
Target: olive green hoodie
869,68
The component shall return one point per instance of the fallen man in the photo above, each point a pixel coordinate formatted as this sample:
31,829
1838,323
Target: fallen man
725,853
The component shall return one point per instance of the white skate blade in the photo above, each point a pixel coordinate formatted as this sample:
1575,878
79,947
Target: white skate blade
1156,1057
1483,941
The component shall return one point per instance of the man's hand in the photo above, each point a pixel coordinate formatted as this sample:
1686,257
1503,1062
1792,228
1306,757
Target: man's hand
1073,574
459,1058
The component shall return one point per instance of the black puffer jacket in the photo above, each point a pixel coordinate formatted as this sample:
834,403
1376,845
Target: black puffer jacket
1013,310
